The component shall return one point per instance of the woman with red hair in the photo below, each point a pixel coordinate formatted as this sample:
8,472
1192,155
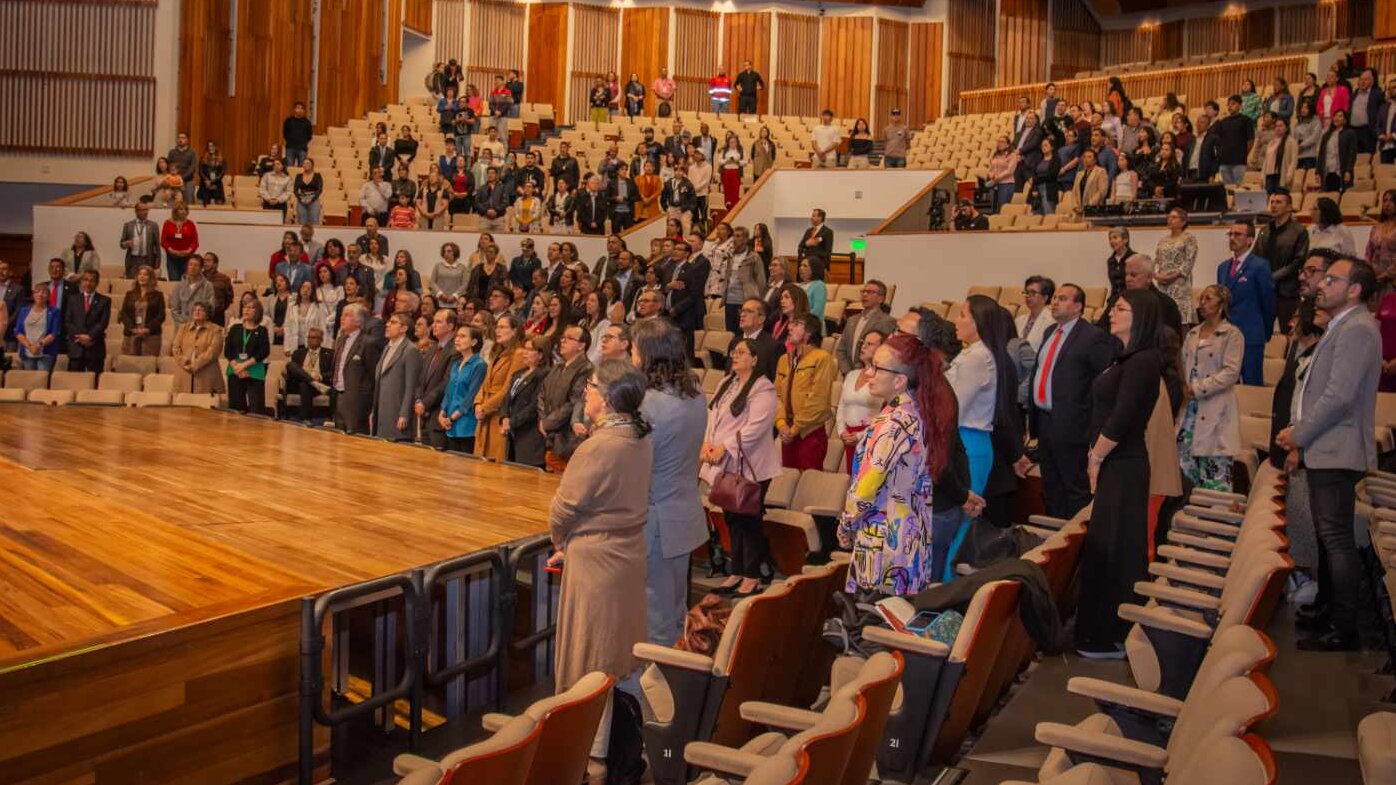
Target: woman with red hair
887,515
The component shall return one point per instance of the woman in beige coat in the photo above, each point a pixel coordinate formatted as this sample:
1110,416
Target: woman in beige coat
598,528
1209,432
196,348
506,356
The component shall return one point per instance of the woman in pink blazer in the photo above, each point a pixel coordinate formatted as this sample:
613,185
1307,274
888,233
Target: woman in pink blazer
738,439
1335,95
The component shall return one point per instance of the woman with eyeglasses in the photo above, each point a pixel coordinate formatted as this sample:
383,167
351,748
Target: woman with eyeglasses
886,519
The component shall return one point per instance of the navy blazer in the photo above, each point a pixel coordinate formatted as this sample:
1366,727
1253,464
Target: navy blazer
1252,297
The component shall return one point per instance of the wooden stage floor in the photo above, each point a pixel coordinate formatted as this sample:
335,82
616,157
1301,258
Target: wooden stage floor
125,532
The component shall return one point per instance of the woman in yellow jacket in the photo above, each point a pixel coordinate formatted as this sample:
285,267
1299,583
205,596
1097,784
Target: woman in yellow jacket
505,358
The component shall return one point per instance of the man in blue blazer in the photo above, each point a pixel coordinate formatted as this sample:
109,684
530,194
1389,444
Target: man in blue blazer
1252,288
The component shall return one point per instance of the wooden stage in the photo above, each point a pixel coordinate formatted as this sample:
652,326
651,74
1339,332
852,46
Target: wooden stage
151,563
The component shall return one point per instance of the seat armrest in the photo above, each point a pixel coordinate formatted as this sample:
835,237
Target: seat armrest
1047,521
1194,556
1164,619
1101,745
1177,595
1036,532
1122,695
1387,527
776,716
1205,526
1199,541
1208,496
823,512
1215,514
406,764
715,757
492,722
665,655
905,641
1180,574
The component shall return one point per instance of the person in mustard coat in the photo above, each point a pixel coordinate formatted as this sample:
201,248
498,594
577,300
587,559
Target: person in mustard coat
196,348
505,357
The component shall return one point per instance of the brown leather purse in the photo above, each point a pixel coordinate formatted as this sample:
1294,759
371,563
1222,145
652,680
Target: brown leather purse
733,492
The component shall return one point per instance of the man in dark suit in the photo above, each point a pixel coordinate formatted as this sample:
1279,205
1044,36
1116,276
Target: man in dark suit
431,387
383,154
13,296
1252,298
684,297
849,350
751,321
1284,242
140,237
592,212
308,373
562,390
818,240
1139,274
1386,125
355,358
1234,135
1201,155
86,318
1072,355
1365,113
1334,435
675,143
609,264
565,167
622,196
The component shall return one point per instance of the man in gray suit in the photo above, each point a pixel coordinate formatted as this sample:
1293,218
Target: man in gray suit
395,382
356,353
873,317
1334,434
675,525
141,239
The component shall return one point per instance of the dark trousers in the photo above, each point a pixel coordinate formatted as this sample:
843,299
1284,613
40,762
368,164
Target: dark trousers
93,361
1332,497
133,263
1063,463
298,383
730,315
1333,182
749,547
431,431
746,104
1285,308
175,266
1388,156
621,221
1366,138
459,443
246,395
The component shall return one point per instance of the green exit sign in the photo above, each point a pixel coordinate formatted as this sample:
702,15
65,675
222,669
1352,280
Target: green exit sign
858,245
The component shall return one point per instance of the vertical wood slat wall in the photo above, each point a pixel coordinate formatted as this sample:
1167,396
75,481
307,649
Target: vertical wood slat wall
1022,42
417,14
1076,39
89,94
969,46
796,89
547,54
498,46
449,35
747,36
596,37
845,73
891,79
695,57
926,51
644,49
350,82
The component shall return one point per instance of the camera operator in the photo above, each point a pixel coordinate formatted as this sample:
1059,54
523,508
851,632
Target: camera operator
969,219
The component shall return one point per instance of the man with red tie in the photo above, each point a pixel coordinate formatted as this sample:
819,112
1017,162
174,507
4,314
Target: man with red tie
1073,353
88,312
1252,298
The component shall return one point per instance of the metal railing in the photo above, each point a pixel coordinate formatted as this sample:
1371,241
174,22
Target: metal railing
454,579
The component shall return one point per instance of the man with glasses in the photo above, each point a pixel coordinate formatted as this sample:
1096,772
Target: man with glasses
874,316
1037,293
1334,435
615,342
751,323
1252,298
562,391
1072,354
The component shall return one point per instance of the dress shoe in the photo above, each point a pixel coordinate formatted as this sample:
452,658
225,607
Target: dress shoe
1312,624
1331,641
1310,615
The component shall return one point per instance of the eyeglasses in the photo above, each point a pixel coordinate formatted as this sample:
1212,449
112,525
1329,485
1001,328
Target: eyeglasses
1031,293
1330,279
1237,234
876,368
591,383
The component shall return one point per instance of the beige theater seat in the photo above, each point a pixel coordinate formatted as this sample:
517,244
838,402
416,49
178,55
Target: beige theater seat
101,398
52,397
1376,748
1220,760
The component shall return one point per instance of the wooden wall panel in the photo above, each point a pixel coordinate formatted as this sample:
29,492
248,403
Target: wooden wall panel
350,80
1302,24
969,46
797,65
78,77
890,75
1198,83
596,38
271,74
695,56
1258,29
547,55
1022,42
1382,57
845,70
1155,43
926,50
644,48
416,14
1076,39
747,36
452,16
497,34
1214,35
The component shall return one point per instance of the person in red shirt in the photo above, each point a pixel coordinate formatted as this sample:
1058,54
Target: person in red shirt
720,90
180,239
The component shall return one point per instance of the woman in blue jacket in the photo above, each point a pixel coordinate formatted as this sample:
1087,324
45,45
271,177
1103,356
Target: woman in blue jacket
467,374
38,327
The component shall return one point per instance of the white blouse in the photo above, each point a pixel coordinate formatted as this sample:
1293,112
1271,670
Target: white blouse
857,406
973,375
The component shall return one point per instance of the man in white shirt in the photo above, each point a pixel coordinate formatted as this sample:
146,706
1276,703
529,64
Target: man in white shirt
825,139
493,144
700,173
1037,292
373,197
